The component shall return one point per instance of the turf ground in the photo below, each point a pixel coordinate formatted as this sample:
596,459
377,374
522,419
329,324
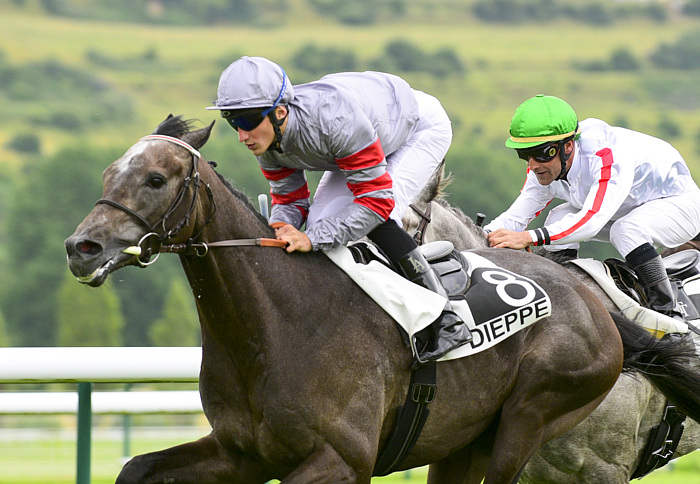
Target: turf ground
48,455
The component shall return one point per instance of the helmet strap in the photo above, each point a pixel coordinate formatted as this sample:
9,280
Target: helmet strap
564,157
276,145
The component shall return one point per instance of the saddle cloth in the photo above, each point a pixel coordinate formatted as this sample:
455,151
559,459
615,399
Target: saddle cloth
657,323
498,304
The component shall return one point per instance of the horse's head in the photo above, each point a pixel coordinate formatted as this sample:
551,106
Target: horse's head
150,195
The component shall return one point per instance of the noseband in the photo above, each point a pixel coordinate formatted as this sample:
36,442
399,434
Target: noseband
193,179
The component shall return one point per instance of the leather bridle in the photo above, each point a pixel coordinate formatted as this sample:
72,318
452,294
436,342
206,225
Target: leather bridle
144,254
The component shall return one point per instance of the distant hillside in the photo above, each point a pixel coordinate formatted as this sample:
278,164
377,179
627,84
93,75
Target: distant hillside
104,73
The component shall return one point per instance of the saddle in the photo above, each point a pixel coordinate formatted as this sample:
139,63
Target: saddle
682,270
449,264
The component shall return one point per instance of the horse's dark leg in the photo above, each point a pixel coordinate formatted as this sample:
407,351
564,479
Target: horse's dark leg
325,465
558,385
465,467
198,462
523,429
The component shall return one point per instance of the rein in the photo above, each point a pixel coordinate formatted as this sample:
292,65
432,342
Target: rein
200,249
419,236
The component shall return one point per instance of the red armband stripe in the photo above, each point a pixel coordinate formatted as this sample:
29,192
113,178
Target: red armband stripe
276,175
300,193
383,182
304,212
365,158
381,206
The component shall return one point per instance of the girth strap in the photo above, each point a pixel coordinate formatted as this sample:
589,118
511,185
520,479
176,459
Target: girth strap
663,441
410,421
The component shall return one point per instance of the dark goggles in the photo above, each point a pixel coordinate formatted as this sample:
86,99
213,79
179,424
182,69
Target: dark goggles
542,154
246,120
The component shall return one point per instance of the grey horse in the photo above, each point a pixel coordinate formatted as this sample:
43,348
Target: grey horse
608,445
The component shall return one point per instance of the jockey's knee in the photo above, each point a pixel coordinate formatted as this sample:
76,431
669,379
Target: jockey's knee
627,235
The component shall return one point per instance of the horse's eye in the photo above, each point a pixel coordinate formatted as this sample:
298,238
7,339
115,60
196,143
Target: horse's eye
156,181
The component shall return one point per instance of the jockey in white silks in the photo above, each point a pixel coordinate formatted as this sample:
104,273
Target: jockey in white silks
621,186
378,141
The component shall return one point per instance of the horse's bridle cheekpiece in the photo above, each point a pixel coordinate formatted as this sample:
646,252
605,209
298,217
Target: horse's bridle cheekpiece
144,253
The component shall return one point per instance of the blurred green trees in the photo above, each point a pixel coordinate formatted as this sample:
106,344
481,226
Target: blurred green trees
179,324
405,56
86,317
599,13
683,54
4,335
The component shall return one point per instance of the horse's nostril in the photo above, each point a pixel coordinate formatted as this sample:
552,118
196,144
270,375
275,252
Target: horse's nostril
84,248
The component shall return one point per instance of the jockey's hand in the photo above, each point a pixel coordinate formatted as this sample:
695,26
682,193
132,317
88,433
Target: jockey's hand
509,239
297,240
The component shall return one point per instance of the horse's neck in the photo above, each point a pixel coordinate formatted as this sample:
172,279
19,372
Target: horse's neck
221,280
464,234
247,296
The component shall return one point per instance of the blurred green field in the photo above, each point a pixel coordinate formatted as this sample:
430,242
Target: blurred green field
49,456
506,64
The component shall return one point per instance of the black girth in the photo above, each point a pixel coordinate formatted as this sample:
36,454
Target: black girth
410,420
663,441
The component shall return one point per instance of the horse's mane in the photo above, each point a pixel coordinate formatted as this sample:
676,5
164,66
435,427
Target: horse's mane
463,217
177,127
439,196
239,195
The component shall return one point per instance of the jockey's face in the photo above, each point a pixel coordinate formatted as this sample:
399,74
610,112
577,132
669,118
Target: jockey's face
259,139
548,171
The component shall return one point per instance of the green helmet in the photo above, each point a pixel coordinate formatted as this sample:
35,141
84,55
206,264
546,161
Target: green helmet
542,119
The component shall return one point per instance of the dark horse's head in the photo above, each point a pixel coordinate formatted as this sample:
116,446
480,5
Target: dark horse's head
149,197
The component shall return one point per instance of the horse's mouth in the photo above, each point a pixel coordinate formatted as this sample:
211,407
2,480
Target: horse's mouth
99,275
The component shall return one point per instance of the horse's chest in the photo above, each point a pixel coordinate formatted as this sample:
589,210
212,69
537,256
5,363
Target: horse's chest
274,433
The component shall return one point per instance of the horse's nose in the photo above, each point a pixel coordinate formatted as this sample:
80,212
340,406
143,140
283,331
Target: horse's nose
82,247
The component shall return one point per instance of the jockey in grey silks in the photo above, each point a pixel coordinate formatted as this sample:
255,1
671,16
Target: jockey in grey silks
377,140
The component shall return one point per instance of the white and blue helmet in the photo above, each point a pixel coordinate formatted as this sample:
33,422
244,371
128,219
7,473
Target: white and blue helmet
253,82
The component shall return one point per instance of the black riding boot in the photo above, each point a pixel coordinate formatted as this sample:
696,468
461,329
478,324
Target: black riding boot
650,270
448,331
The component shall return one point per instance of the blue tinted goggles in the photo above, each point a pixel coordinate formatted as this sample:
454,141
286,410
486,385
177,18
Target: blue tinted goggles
246,120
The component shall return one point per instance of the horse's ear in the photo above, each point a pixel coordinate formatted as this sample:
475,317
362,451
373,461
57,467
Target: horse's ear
198,138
